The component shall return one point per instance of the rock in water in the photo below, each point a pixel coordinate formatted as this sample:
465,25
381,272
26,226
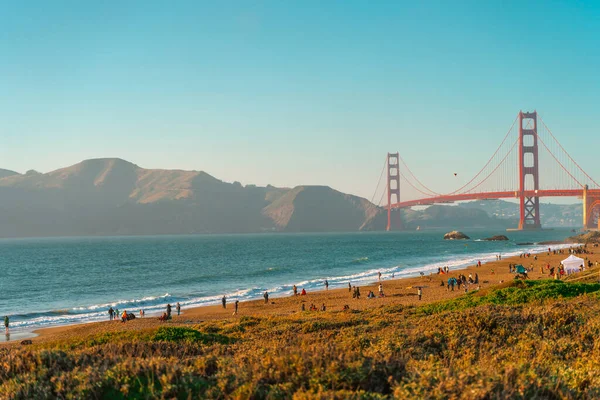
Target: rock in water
455,235
497,237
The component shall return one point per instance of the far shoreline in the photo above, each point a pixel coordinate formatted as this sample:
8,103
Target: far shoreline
260,233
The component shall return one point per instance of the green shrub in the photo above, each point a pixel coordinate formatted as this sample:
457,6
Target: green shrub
178,334
519,293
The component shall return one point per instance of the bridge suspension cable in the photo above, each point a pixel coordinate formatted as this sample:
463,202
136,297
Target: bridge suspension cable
411,185
559,163
417,180
567,153
379,183
494,170
489,161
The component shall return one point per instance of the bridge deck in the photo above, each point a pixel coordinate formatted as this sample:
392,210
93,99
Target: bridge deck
494,195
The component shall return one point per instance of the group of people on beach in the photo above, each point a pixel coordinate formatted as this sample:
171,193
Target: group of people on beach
461,280
442,270
236,304
113,314
303,292
167,314
125,316
313,307
558,271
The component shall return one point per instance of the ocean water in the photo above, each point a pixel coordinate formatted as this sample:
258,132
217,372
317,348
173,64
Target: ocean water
57,281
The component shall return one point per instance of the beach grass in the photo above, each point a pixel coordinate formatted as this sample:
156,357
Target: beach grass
531,339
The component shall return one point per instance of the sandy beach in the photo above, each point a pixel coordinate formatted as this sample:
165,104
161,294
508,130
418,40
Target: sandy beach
399,291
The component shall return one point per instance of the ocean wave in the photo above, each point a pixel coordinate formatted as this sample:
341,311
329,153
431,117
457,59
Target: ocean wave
149,300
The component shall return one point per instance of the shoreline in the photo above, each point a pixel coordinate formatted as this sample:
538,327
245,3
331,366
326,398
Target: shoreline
413,272
398,291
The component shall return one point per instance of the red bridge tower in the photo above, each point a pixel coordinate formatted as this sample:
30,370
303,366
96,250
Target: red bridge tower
393,187
529,175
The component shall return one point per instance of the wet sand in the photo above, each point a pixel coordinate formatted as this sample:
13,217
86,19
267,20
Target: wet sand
399,291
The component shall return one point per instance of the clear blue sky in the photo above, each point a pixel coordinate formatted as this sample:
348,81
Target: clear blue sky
290,93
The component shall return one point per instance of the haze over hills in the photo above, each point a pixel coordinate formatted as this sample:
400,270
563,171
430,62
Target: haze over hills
5,172
115,197
553,215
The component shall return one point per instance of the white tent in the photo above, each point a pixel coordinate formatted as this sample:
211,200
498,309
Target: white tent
572,263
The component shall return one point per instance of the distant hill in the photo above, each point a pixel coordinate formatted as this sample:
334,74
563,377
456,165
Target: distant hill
111,196
5,172
552,215
115,197
438,216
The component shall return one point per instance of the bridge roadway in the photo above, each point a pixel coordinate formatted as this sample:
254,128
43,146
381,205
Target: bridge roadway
450,198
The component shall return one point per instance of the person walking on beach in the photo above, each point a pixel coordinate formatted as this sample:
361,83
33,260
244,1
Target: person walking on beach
236,305
224,302
141,313
419,292
116,314
178,308
6,323
380,290
169,311
266,296
295,289
326,285
379,273
111,313
349,287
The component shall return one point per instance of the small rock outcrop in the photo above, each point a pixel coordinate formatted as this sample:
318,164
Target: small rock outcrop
496,238
587,237
455,235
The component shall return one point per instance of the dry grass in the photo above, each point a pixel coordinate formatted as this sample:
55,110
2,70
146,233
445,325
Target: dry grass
528,340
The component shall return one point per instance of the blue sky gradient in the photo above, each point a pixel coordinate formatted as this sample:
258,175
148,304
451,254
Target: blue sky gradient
309,92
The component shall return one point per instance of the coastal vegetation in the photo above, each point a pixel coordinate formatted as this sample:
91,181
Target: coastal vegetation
590,237
526,339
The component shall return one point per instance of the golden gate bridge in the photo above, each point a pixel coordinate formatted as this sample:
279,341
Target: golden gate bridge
529,164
